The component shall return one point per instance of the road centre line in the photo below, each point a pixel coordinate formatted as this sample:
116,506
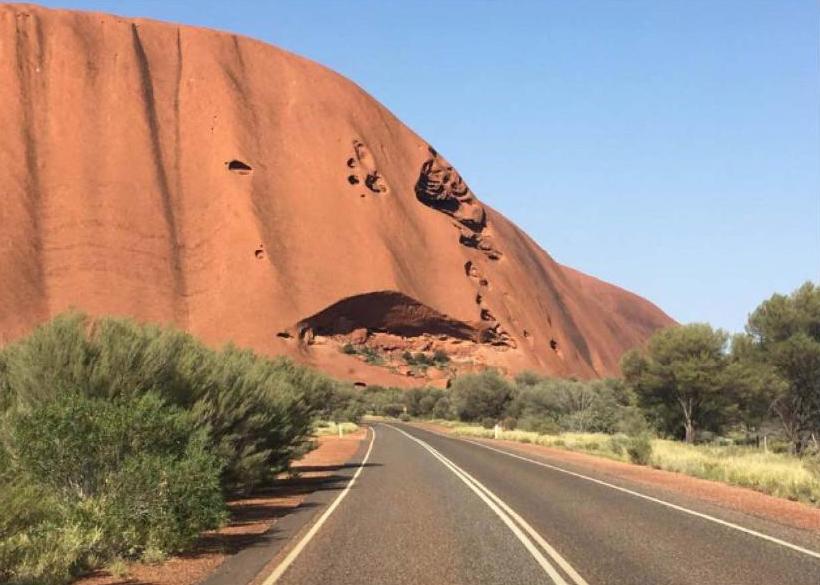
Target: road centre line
509,517
683,509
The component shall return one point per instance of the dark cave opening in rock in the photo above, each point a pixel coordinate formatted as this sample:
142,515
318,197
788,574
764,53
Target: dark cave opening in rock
387,312
239,167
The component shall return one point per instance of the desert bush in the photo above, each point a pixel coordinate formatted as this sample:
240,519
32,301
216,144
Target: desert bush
420,402
553,405
440,357
404,417
442,409
538,424
344,404
509,423
150,426
427,404
258,412
618,444
488,422
118,476
393,410
478,396
639,449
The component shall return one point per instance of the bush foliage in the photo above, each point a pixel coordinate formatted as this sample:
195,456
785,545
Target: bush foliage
120,440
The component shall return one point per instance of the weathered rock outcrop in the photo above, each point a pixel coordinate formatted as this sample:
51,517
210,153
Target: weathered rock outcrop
247,194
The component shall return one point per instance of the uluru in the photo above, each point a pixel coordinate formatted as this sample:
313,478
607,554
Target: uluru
248,195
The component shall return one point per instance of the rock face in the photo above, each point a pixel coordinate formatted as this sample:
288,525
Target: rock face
245,194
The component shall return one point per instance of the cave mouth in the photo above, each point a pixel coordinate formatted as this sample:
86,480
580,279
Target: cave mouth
239,167
386,312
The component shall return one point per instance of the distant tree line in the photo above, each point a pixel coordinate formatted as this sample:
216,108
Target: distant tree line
696,378
690,382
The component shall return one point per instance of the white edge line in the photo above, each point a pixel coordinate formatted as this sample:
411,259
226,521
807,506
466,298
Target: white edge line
480,490
749,531
294,553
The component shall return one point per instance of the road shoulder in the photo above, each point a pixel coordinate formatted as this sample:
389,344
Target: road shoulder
787,513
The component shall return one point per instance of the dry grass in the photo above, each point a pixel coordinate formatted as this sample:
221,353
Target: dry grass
332,428
609,446
775,474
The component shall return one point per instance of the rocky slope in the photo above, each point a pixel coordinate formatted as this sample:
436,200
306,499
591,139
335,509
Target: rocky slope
246,194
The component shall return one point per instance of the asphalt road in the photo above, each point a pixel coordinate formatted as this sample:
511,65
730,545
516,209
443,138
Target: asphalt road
430,509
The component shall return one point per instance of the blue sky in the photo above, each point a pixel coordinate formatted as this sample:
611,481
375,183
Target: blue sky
669,146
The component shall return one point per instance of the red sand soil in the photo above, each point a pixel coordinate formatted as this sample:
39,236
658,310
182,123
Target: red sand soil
194,177
786,512
250,517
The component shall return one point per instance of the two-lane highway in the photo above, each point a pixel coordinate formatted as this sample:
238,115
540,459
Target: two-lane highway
427,508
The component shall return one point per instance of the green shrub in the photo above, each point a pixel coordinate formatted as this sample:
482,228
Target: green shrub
536,424
618,444
509,423
349,349
153,502
372,356
100,479
39,543
404,417
257,411
394,410
478,396
488,422
442,408
639,449
440,357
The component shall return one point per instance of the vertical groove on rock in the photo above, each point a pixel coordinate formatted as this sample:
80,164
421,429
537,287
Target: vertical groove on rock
33,196
572,329
149,102
178,183
262,205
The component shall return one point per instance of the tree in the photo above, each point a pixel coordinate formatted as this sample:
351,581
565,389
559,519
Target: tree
479,396
784,333
681,378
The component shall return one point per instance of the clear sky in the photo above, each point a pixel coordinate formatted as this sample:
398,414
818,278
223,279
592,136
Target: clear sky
669,146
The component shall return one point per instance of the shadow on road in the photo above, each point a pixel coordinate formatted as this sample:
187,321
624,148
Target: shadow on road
252,516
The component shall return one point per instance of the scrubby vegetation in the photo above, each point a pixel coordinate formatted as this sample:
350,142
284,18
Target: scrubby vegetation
692,384
120,440
748,408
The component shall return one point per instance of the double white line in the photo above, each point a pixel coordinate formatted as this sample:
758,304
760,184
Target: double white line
517,525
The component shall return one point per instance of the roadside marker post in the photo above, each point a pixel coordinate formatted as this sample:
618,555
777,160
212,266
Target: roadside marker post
497,430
